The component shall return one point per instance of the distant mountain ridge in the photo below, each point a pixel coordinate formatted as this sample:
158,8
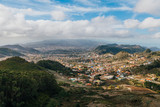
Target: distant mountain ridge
8,52
21,49
115,48
64,44
154,49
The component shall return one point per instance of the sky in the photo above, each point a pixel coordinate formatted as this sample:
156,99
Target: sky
116,21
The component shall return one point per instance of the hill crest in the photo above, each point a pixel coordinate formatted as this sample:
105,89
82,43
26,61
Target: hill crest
115,48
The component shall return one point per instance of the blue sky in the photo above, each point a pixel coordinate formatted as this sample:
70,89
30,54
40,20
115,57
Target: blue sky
118,21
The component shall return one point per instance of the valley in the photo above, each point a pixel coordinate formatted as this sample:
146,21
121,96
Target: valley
94,78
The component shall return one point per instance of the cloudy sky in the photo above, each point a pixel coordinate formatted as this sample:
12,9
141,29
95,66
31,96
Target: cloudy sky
118,21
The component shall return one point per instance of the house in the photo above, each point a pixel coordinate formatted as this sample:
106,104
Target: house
88,84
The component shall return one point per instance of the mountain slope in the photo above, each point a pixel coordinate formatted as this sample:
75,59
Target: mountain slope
8,52
56,66
63,44
155,49
25,84
121,55
18,64
21,49
153,68
115,48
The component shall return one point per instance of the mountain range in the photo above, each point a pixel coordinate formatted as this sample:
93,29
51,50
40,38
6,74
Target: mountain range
9,52
154,49
67,44
20,49
115,48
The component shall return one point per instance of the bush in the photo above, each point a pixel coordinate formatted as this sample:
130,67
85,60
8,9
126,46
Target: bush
53,103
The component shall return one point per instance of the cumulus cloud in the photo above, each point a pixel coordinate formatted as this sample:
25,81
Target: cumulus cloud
97,27
150,23
14,25
58,15
148,6
156,35
131,23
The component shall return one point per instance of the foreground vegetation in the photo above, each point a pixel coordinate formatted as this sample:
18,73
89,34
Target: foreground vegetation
25,84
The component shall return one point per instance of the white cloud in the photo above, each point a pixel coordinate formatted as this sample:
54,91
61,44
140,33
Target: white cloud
156,35
91,9
14,25
131,23
97,27
60,12
88,2
149,23
148,6
45,1
58,15
27,11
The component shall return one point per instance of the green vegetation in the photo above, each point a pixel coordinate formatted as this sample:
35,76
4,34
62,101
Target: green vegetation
9,52
152,86
21,49
18,64
147,51
26,84
121,55
114,49
156,53
56,66
153,68
66,51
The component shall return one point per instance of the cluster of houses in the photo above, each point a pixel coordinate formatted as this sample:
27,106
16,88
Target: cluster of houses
95,69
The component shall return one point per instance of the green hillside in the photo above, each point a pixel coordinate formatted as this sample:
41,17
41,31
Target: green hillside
18,64
153,68
9,52
24,84
121,55
21,49
115,48
56,66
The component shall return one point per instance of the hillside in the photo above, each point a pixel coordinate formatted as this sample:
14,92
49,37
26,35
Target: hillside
25,84
155,49
115,48
153,68
21,49
56,66
18,64
8,52
121,55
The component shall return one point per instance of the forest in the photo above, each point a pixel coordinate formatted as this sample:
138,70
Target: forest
26,84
